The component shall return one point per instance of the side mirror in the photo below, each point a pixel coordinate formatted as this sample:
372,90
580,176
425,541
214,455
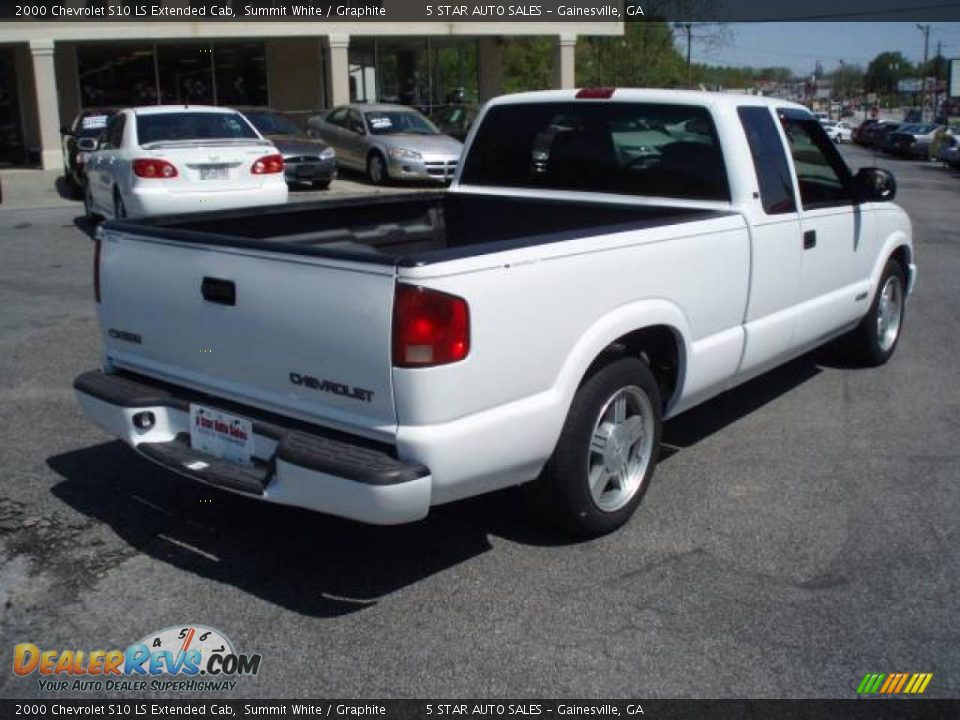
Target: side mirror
873,184
87,144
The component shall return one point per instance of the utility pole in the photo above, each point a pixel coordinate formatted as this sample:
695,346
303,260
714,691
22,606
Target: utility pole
688,29
936,79
925,29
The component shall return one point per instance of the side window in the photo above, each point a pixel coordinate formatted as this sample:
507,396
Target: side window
355,122
822,175
338,117
769,160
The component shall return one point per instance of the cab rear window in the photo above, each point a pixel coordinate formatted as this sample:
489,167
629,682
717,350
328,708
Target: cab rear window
627,148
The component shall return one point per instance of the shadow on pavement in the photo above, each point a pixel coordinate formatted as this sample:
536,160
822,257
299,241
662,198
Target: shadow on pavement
313,564
323,566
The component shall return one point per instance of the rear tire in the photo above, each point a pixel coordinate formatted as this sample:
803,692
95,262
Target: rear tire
606,453
877,335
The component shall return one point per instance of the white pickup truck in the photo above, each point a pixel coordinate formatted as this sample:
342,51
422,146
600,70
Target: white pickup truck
604,259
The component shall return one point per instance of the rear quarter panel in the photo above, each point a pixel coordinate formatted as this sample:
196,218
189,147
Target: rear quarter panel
540,315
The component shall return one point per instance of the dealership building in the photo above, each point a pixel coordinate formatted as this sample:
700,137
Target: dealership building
50,70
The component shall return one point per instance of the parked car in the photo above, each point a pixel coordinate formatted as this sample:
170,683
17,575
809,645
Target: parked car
305,159
838,131
166,159
78,140
878,134
388,142
949,151
455,120
944,140
860,132
376,356
913,141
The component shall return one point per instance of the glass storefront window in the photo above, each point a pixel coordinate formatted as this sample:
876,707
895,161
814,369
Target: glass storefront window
12,149
424,73
116,75
241,73
186,73
202,73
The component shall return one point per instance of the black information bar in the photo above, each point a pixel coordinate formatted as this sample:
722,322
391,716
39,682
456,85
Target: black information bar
862,709
463,11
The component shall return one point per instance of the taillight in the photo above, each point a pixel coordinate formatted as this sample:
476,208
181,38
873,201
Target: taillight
96,269
595,93
267,165
154,168
429,327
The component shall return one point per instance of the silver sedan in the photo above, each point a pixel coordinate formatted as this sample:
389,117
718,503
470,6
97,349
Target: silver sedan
387,142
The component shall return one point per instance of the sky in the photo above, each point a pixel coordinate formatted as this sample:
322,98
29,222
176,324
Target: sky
798,45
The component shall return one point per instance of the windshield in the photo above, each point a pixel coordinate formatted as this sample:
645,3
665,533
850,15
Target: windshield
175,126
396,122
272,123
92,124
630,148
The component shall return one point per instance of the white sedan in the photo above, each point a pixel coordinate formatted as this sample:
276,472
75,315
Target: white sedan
168,159
839,132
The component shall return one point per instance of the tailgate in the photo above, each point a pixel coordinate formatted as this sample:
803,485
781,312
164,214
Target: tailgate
305,337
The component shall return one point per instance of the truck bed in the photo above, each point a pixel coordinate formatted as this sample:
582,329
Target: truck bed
409,229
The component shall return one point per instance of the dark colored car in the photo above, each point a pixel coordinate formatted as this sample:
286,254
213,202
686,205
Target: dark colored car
305,159
455,120
78,140
876,135
859,132
913,141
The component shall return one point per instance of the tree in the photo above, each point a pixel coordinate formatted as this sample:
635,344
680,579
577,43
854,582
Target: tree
886,70
848,80
645,56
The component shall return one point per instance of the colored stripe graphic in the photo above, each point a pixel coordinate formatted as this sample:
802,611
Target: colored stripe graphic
894,683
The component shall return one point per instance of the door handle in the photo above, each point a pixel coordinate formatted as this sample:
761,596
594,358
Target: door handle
217,290
809,239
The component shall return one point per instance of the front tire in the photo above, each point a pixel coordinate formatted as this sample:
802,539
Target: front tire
606,453
877,335
377,169
91,214
119,209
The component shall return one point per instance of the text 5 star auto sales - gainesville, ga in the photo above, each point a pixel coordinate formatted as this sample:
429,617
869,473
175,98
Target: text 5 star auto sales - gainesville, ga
186,651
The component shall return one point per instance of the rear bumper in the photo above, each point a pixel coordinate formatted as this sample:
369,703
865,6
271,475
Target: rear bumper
145,201
294,464
312,171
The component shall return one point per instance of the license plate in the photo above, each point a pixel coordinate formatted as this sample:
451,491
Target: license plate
221,434
213,173
305,171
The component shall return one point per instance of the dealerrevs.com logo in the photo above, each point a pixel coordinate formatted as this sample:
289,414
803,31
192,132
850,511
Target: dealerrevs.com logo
181,658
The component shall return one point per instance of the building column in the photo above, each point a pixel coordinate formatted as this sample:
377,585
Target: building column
338,69
490,67
565,61
48,114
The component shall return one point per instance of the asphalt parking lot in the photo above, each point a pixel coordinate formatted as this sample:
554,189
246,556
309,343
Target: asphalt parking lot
800,532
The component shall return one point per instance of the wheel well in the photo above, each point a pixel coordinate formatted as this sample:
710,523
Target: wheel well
902,256
658,345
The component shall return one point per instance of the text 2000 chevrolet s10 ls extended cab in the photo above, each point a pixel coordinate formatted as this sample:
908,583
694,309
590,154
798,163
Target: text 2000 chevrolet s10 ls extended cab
604,259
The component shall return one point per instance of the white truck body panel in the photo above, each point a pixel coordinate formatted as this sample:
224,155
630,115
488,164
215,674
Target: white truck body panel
736,288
